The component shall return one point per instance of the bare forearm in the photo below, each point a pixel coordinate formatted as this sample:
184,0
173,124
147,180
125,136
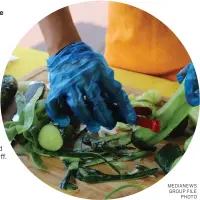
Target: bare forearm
59,30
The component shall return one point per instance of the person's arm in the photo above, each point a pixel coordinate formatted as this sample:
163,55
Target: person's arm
59,30
76,72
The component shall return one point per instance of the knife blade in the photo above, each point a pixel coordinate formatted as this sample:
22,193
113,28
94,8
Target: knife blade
34,86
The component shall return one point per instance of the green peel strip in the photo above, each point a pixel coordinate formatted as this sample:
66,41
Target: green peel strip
123,187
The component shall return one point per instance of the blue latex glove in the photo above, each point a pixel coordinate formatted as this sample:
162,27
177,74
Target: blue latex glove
188,74
77,72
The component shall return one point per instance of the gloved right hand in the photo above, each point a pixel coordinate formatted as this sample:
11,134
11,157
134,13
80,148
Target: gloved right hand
77,73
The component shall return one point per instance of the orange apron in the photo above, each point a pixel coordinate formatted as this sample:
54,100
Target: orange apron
139,42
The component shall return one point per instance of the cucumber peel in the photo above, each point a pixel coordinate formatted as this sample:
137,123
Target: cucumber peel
167,155
194,115
170,116
187,143
175,162
151,96
50,138
37,161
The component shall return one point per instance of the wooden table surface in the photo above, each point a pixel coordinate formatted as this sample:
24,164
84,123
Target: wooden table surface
56,170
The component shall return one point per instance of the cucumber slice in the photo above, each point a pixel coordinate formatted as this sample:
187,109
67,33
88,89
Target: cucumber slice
50,138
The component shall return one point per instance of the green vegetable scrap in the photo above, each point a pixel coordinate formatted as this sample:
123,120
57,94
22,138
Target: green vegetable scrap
94,176
148,99
41,137
11,131
28,113
123,187
166,156
194,115
124,127
131,97
20,101
151,96
50,138
68,182
35,158
40,108
187,143
170,116
175,162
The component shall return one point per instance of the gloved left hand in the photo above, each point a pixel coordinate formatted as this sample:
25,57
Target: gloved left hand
188,74
76,73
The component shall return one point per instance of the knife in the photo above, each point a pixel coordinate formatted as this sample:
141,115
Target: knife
33,87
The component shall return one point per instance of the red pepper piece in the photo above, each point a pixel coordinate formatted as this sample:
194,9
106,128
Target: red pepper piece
154,125
143,112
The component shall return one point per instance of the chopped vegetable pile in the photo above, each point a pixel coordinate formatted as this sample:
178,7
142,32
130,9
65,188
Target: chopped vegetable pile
80,150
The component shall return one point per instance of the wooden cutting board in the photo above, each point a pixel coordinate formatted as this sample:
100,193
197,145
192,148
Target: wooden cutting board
56,170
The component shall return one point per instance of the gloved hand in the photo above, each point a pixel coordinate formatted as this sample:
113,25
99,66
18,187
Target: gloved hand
188,74
77,73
